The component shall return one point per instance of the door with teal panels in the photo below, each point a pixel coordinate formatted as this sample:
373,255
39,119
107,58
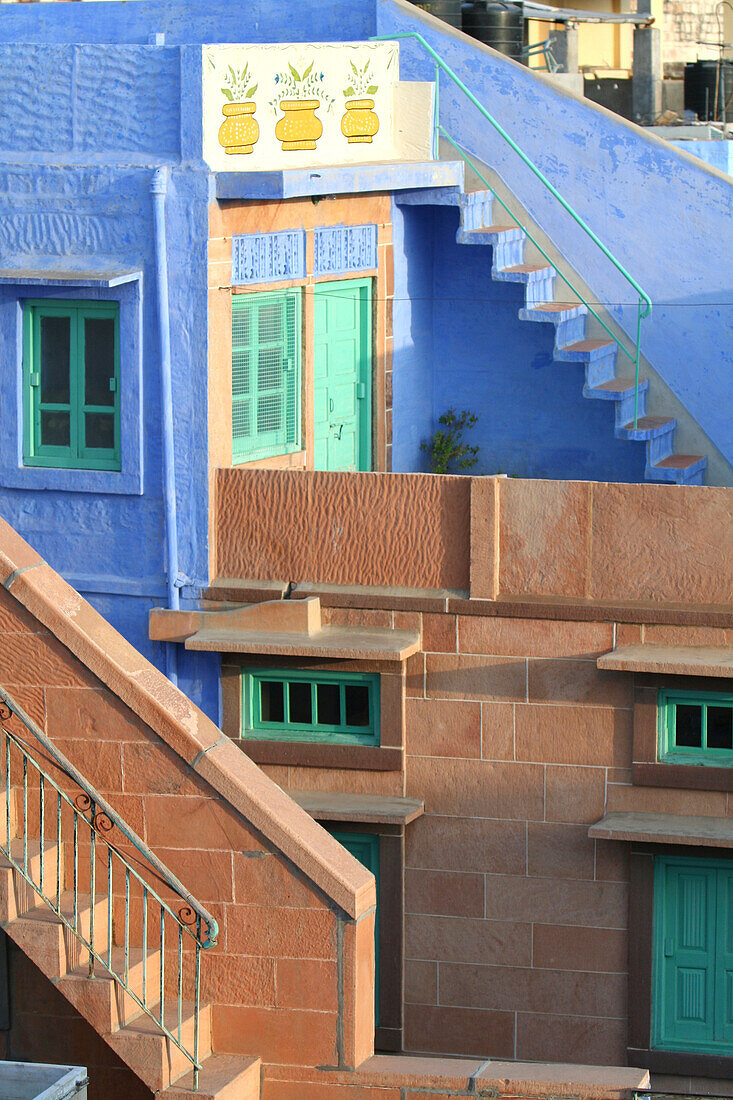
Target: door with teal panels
343,375
365,848
693,955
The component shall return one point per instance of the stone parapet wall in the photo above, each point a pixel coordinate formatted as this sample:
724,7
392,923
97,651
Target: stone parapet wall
496,537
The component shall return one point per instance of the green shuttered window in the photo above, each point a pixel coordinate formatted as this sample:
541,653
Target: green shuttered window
695,728
693,955
266,374
301,706
71,376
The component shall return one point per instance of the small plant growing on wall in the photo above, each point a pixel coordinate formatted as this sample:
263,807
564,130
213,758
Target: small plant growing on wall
446,448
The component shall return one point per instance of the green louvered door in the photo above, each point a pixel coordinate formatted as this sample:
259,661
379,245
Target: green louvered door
693,955
343,375
266,343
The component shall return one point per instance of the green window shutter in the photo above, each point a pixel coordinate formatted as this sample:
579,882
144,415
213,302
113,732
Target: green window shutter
266,374
71,369
365,848
724,962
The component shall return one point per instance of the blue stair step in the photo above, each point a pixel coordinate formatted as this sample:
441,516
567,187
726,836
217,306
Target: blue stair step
648,427
523,273
615,389
571,344
490,234
553,311
682,469
585,351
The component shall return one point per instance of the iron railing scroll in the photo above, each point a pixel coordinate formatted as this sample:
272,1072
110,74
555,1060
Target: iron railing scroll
644,301
109,881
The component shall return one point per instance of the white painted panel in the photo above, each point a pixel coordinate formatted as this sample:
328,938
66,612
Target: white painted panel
301,105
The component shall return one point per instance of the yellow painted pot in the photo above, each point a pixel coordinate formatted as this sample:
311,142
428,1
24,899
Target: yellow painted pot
359,124
300,128
239,132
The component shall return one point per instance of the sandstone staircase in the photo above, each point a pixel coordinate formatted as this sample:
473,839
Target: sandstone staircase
98,943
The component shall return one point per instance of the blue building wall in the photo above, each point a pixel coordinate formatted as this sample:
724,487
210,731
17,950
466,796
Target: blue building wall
412,326
667,217
83,130
188,21
533,418
459,344
718,154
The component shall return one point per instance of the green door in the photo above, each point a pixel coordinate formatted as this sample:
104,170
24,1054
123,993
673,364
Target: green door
343,375
365,848
693,955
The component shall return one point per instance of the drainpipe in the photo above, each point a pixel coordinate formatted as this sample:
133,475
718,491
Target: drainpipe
158,189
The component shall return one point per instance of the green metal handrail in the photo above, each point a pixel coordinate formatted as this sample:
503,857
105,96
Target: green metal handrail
645,302
89,813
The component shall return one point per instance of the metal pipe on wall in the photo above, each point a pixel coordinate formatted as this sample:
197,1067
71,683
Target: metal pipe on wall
159,189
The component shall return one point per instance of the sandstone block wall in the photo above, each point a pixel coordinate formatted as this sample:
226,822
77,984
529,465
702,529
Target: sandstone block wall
286,966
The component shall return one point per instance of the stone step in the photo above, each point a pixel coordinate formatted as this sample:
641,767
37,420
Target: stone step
222,1077
52,946
101,1000
16,895
585,351
156,1060
682,469
649,427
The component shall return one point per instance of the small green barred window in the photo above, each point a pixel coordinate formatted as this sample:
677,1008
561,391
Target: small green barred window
695,728
335,707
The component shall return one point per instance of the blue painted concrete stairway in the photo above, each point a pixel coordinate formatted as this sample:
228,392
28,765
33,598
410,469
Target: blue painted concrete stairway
571,342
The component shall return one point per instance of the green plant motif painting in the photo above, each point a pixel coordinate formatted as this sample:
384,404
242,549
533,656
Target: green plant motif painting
310,84
239,133
448,453
237,85
361,82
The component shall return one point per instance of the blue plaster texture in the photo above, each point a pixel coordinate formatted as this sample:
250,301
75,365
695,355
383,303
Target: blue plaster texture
666,216
88,125
533,419
412,327
718,154
187,21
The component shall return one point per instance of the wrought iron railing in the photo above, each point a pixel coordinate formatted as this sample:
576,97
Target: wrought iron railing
644,307
43,821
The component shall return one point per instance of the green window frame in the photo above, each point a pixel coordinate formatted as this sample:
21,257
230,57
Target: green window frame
335,707
692,948
266,374
695,727
71,396
365,848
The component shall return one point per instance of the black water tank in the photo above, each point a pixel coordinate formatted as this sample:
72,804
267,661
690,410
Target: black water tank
447,10
701,79
495,24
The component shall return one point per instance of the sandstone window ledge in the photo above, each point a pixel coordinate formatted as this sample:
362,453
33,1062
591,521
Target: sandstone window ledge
362,808
642,828
670,660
